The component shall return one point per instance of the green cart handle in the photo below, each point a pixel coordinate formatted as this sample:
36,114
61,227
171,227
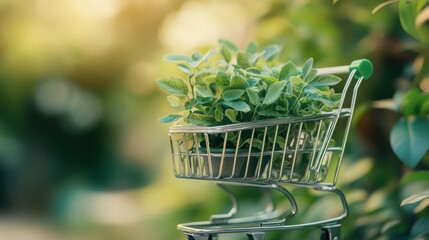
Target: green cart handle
363,68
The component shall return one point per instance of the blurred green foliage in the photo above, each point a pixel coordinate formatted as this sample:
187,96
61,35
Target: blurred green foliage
82,154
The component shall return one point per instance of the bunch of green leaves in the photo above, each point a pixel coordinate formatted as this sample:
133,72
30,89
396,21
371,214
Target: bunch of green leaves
226,85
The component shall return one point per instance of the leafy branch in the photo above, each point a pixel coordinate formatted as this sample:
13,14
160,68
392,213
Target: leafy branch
226,85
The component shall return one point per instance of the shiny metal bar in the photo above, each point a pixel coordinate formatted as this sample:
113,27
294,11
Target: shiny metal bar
249,154
208,227
199,160
272,153
346,131
333,70
222,218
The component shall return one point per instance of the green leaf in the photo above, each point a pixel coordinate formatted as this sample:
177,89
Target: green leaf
424,107
283,105
252,82
218,84
191,103
222,78
253,70
170,118
243,60
196,56
274,92
230,45
289,89
408,11
265,74
200,77
410,104
295,110
268,111
281,109
219,80
310,75
203,100
211,53
231,95
177,58
308,65
256,143
185,68
271,52
310,126
296,80
231,114
329,98
264,77
252,48
238,82
203,91
253,97
218,115
415,198
201,119
409,140
174,101
238,105
226,54
288,70
173,85
324,80
253,59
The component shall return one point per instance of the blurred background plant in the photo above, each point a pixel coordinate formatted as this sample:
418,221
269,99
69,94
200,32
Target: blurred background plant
82,155
409,134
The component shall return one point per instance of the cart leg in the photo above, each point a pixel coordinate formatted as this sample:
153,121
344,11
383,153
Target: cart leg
256,236
292,202
198,237
222,218
343,200
332,232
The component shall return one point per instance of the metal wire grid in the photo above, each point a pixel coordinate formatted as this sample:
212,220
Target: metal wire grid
276,151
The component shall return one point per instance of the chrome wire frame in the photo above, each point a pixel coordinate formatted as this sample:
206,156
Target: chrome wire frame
300,157
267,154
276,220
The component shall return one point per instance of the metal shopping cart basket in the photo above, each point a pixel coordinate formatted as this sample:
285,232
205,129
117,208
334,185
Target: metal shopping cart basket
288,155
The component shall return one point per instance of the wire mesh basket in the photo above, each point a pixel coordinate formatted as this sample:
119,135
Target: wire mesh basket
305,151
287,150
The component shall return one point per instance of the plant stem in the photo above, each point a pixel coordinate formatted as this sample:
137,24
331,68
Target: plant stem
297,99
254,113
213,106
191,85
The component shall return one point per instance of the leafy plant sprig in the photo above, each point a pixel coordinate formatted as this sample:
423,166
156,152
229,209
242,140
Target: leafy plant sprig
408,136
226,85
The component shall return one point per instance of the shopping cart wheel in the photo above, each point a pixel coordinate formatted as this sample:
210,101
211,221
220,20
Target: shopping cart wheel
199,237
331,232
256,236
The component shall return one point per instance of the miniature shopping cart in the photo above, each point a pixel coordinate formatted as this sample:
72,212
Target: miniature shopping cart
289,155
